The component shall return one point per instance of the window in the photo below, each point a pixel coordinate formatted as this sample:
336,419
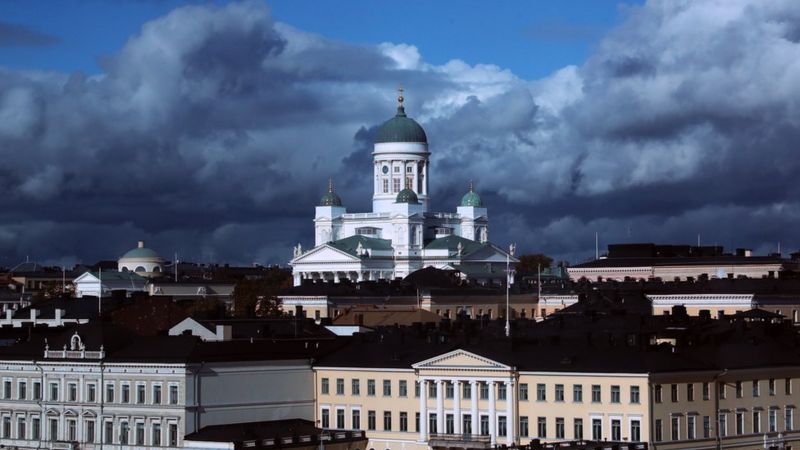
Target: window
22,393
173,395
140,389
109,393
597,429
340,386
541,427
72,392
72,432
370,420
788,419
466,423
541,392
403,421
371,387
355,386
7,425
721,388
36,428
706,427
385,186
673,388
706,391
432,392
409,169
484,425
523,426
355,419
771,387
108,433
155,434
636,430
125,396
675,429
577,393
124,431
387,388
773,420
139,433
88,434
739,423
690,392
577,428
53,429
433,423
658,432
756,389
403,388
173,434
21,428
484,391
559,392
596,393
616,430
559,428
635,394
339,418
501,392
396,184
690,427
396,169
409,182
723,425
615,397
501,426
467,390
523,391
324,387
325,418
91,392
7,390
53,392
416,421
157,394
756,422
37,390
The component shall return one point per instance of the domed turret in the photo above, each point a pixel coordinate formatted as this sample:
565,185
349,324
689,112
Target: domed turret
471,198
407,196
330,198
401,128
142,260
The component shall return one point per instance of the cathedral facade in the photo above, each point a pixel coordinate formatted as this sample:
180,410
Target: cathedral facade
400,235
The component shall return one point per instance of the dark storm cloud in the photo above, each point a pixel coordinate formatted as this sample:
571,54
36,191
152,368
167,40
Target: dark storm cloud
13,35
213,131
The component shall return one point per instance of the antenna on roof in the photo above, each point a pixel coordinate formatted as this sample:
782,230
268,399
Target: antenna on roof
596,246
100,294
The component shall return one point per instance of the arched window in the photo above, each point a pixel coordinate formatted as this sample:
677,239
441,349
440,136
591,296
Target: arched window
156,269
140,269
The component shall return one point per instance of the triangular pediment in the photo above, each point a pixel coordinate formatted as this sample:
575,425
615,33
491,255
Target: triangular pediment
325,253
460,359
488,253
86,277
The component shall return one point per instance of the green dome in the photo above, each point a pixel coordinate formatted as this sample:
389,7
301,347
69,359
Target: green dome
407,196
141,252
401,128
471,199
330,199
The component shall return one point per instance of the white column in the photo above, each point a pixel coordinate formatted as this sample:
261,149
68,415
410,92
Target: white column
425,179
510,421
439,406
474,392
423,411
415,168
492,412
457,407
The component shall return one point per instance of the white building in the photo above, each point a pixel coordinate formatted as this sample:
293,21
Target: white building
93,283
401,234
98,387
142,260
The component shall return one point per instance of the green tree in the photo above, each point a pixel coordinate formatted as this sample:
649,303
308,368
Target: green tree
530,263
259,297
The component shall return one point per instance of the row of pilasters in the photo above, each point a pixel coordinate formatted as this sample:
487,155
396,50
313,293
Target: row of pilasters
474,411
338,276
419,170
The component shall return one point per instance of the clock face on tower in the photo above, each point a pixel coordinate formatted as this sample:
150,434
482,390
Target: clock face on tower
385,169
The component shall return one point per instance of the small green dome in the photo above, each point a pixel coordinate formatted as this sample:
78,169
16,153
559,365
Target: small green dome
407,196
401,128
330,199
471,199
141,252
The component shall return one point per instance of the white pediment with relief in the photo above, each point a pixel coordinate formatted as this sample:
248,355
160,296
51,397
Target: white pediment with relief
325,253
460,359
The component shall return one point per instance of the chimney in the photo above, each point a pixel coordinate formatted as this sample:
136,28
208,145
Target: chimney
223,333
59,313
34,314
141,244
8,314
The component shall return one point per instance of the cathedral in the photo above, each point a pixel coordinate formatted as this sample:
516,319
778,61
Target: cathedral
400,235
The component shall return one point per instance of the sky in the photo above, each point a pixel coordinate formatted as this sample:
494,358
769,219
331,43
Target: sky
209,129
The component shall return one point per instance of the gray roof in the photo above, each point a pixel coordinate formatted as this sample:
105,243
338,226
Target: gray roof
350,244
